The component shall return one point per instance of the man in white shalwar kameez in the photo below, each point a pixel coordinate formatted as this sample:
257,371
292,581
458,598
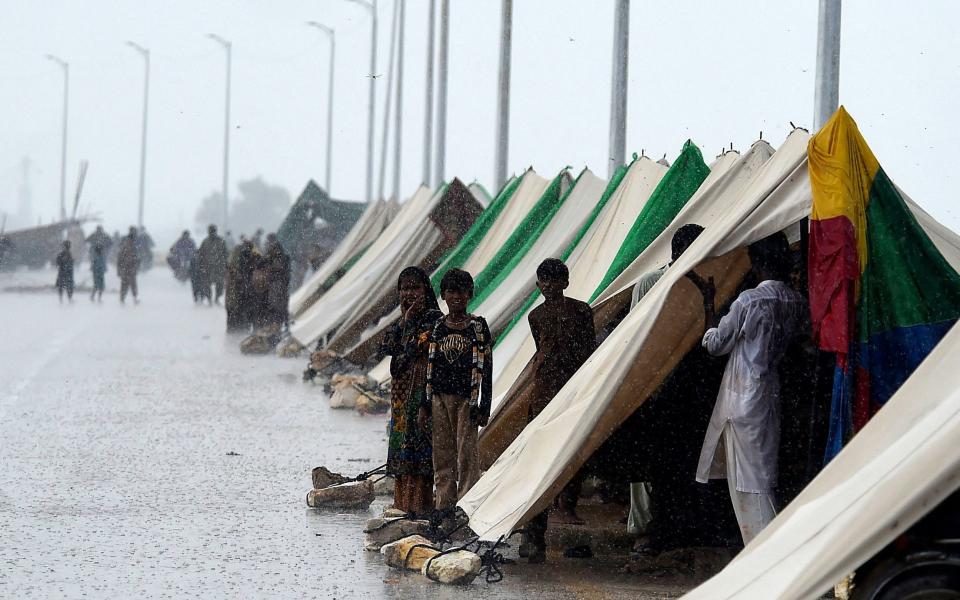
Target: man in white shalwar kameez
743,439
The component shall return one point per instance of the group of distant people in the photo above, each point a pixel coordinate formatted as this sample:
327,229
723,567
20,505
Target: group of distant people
133,252
441,365
252,276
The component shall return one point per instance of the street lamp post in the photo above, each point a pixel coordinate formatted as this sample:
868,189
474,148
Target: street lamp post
63,145
428,117
441,155
826,96
618,96
333,51
226,131
371,5
503,94
143,134
398,123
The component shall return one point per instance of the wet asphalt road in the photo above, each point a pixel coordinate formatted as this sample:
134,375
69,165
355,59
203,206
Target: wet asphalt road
142,454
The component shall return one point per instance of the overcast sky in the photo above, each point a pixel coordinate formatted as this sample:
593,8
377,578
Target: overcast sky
716,72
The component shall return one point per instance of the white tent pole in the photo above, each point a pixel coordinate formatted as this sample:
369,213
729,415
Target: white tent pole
439,166
826,96
503,94
428,96
618,96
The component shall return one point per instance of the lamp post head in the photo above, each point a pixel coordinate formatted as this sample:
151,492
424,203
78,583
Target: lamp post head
219,40
145,52
328,30
364,3
58,60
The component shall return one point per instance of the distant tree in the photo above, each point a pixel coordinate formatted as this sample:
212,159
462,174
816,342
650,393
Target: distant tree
259,205
210,211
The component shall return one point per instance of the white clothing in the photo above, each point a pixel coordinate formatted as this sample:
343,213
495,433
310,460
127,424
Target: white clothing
754,511
641,512
755,333
645,284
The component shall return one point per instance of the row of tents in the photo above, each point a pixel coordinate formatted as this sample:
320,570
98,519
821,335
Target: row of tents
610,233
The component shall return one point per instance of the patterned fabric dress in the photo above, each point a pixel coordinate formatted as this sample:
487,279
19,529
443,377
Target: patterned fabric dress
410,450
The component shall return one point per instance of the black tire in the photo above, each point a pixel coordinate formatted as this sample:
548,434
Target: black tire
912,582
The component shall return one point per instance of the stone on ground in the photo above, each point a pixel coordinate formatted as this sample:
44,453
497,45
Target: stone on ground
355,494
385,487
346,389
457,568
379,532
323,477
402,554
371,403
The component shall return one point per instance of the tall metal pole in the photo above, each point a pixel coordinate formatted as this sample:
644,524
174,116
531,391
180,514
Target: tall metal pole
143,133
63,137
440,159
618,97
428,96
371,5
398,123
388,101
826,96
226,132
333,51
503,94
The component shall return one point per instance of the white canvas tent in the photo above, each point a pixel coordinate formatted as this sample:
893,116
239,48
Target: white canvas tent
728,176
627,368
587,263
900,466
410,230
527,194
500,306
361,235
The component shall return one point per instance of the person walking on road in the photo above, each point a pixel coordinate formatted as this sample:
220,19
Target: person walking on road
64,262
212,257
128,264
240,300
98,266
276,262
182,255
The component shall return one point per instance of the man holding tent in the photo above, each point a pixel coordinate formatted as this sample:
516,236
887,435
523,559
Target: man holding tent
742,441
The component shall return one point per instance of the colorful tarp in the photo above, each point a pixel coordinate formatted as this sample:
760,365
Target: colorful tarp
676,187
881,294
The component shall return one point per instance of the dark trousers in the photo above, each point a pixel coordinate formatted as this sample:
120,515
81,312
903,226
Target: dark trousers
536,529
128,284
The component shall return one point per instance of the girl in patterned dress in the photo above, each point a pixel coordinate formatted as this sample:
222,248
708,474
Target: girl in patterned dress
410,450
